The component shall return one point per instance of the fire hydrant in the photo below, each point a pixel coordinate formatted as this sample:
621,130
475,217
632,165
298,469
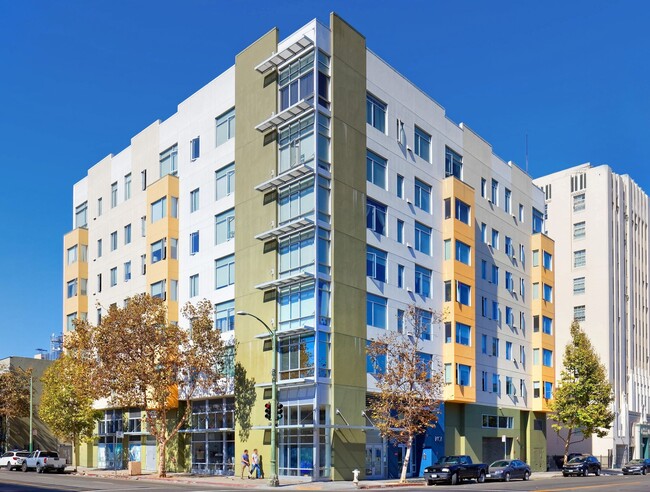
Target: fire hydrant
355,480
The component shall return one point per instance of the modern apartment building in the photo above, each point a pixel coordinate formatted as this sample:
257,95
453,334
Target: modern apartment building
600,222
355,197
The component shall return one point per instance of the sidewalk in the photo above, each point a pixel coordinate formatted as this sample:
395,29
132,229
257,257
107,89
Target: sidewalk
294,483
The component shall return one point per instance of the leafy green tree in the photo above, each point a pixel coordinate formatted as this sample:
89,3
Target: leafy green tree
14,396
66,404
409,383
582,402
141,360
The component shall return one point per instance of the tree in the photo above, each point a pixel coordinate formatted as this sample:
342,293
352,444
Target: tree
141,360
14,396
410,383
67,398
583,398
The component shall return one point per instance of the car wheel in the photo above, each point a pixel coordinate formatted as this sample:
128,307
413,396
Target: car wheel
597,472
60,470
429,482
24,467
39,468
585,472
481,477
565,474
8,466
643,471
506,477
454,479
526,475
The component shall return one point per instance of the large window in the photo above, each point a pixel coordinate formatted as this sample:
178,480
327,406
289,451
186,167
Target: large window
578,202
422,144
463,334
548,390
422,281
547,325
224,316
296,200
376,365
158,251
169,161
463,252
72,288
376,169
159,209
81,215
297,306
547,357
296,81
296,143
225,181
579,258
225,127
297,356
538,221
376,113
422,198
296,254
579,313
376,216
224,271
376,311
224,226
579,285
376,264
463,375
463,293
548,260
158,289
423,238
462,211
453,164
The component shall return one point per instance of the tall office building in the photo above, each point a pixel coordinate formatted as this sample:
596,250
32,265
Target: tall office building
599,220
355,197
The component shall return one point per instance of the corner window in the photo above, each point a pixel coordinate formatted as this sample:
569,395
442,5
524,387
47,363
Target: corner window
548,260
547,325
376,113
159,209
463,252
296,143
463,293
463,334
453,164
225,127
158,251
462,211
463,374
538,221
296,81
169,161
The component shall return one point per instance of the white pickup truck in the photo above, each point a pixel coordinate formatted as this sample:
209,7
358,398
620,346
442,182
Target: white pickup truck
43,461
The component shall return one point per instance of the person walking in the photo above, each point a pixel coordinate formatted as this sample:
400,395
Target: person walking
255,464
245,463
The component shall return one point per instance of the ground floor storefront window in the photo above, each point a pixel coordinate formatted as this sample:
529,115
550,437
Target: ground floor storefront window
212,431
303,451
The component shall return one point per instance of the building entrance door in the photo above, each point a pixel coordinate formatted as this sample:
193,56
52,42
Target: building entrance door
375,461
150,454
401,453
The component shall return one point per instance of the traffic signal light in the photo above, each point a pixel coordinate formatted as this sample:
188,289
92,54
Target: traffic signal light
267,410
280,407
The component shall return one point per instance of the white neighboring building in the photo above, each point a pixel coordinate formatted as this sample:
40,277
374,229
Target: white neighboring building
599,220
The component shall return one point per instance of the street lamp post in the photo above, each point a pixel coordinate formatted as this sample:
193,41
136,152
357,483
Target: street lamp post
273,481
31,413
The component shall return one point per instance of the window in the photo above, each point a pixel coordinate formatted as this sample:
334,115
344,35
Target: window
536,258
498,421
538,221
536,388
224,226
400,276
484,234
143,264
495,383
173,290
483,188
462,211
127,234
159,209
422,281
423,238
225,127
376,311
99,248
495,239
484,344
484,381
194,285
548,390
173,248
195,148
448,338
400,186
463,252
113,240
510,317
507,206
446,247
579,258
376,365
453,164
447,287
422,198
578,202
401,134
297,200
158,251
72,288
225,179
296,254
495,347
194,200
508,350
522,355
376,264
510,250
225,271
463,334
510,282
447,207
376,169
547,325
463,374
521,213
495,192
169,161
496,313
510,388
579,313
100,206
463,293
400,320
225,316
296,306
548,260
194,242
425,318
376,216
143,179
113,276
536,290
127,186
70,321
158,290
400,231
448,375
376,113
72,255
579,230
296,81
114,195
547,358
522,253
579,285
127,271
423,144
484,269
484,307
495,275
296,143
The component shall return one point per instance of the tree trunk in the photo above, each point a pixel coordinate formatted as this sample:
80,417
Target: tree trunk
407,457
162,463
567,443
74,452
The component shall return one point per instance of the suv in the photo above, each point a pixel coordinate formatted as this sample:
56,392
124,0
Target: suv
13,459
582,465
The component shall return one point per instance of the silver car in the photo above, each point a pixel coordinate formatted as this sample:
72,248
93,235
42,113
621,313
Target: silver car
504,470
12,460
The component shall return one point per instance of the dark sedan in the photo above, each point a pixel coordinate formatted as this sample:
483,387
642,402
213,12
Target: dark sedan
505,470
582,465
641,466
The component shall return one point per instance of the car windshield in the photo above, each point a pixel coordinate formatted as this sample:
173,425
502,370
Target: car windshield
578,459
499,464
24,455
448,460
635,462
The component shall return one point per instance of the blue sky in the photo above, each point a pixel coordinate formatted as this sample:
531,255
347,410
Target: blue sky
79,78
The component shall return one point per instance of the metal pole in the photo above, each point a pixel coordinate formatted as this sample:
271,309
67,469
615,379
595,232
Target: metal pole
31,413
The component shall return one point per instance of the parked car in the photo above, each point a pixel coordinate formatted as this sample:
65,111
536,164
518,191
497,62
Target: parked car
504,470
582,465
454,469
13,459
633,467
43,461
